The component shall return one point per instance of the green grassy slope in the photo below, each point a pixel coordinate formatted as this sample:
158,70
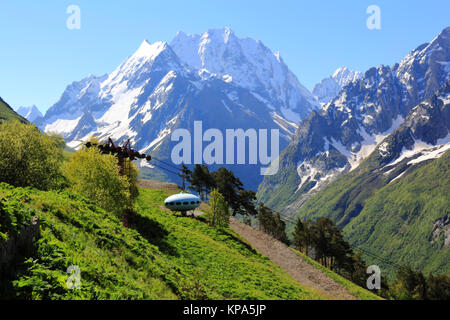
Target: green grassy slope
280,190
8,114
394,220
398,221
165,257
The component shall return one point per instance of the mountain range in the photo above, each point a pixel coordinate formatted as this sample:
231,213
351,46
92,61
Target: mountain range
356,140
346,130
225,81
375,160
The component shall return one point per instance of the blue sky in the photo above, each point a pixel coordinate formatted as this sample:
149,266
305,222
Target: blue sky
39,56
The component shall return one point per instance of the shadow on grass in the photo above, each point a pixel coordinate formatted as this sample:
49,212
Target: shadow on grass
221,231
155,233
13,254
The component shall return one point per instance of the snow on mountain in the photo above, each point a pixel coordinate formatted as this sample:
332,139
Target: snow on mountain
226,82
329,87
426,67
367,111
30,113
424,135
248,64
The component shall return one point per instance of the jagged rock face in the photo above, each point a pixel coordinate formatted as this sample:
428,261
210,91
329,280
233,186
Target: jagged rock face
216,78
353,123
427,125
426,68
430,120
248,64
441,228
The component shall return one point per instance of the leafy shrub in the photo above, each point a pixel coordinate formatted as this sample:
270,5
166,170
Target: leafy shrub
96,176
28,157
218,213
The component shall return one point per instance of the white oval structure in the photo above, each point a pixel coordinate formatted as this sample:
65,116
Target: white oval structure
182,202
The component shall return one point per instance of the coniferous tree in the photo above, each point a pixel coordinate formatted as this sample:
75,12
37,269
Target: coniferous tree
229,186
272,224
246,201
301,236
201,180
438,287
409,285
280,229
185,175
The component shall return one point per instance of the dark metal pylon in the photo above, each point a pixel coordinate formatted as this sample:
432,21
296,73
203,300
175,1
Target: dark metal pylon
123,153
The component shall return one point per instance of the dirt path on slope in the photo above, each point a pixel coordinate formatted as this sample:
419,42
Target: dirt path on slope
298,268
304,273
154,184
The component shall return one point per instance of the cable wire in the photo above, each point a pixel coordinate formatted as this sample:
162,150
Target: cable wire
294,222
364,251
168,170
166,163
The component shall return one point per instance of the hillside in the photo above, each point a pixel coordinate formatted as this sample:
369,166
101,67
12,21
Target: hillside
338,138
164,257
409,222
404,220
300,267
7,113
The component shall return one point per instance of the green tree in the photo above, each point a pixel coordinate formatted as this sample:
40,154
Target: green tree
265,219
229,186
409,285
272,224
218,213
438,287
246,201
331,249
185,175
96,176
59,140
201,180
28,157
132,175
322,233
340,252
302,236
280,229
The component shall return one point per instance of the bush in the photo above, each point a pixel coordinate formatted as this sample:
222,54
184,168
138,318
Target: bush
218,213
96,176
28,158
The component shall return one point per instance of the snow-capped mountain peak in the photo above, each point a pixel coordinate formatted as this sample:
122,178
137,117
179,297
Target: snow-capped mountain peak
214,77
30,113
407,104
329,87
149,50
428,64
344,76
250,64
